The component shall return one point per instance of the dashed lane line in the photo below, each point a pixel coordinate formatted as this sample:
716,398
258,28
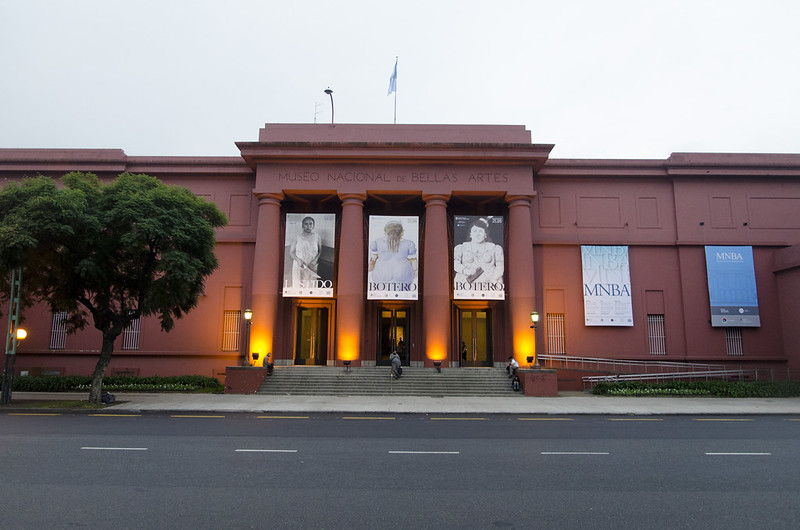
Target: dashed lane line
368,417
194,416
738,454
282,417
558,453
545,419
424,452
88,448
266,450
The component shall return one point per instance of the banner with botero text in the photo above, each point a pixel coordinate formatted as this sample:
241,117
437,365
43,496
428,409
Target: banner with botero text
310,241
732,286
478,258
393,258
606,286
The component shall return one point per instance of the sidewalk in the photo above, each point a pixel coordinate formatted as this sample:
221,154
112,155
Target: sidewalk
566,403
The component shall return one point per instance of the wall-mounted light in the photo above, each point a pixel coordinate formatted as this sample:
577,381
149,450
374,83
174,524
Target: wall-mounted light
534,319
248,315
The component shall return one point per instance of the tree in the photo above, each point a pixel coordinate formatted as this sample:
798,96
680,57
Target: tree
108,252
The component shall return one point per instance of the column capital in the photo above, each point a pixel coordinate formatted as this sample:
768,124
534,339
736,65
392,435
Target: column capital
353,198
267,198
435,199
520,200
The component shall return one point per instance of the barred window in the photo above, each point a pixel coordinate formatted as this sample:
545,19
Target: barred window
231,325
556,343
130,335
733,341
58,331
656,335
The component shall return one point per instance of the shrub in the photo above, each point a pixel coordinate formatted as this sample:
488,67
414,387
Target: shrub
700,388
79,383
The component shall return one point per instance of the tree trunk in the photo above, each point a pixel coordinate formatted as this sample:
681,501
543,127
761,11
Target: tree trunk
102,363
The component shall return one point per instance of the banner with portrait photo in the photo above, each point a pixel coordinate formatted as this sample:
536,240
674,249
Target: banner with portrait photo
310,242
393,258
732,286
478,258
606,286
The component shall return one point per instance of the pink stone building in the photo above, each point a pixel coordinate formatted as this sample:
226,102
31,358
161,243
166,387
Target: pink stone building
492,229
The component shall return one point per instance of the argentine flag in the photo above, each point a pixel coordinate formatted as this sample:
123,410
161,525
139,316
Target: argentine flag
393,80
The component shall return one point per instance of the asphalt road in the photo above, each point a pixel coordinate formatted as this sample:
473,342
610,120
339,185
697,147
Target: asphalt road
398,471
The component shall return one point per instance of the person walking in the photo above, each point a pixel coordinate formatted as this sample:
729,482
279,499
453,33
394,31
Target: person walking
397,370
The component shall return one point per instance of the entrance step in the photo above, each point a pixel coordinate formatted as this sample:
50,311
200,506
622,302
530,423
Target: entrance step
376,381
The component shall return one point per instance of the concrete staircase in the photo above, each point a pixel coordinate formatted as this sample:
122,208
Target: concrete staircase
376,381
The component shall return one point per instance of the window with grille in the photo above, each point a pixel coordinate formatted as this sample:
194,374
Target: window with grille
231,325
555,333
58,331
130,335
656,335
733,341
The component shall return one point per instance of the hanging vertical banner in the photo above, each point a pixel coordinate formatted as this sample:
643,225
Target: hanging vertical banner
732,287
393,258
478,258
308,255
606,286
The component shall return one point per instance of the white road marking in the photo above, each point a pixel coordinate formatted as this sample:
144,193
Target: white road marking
424,452
574,453
114,448
739,454
266,450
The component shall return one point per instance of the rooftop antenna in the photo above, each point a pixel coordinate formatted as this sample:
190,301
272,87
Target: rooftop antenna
316,111
330,93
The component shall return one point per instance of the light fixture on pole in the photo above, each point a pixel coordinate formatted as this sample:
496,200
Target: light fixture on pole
248,317
534,321
330,93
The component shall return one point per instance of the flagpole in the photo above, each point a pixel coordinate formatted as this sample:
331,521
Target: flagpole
395,89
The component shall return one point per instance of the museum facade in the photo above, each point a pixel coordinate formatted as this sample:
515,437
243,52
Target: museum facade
348,242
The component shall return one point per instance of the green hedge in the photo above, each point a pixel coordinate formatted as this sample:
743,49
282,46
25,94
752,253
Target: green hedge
700,388
78,383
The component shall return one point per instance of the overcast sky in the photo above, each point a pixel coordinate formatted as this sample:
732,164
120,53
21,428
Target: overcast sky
599,79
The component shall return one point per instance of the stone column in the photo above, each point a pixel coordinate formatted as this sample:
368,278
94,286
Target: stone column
436,281
266,276
350,281
520,290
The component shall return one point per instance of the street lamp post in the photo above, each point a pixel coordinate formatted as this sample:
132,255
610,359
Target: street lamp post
13,334
248,317
330,93
534,321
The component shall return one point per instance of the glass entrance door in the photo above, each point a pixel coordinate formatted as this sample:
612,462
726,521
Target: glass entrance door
311,336
393,334
475,348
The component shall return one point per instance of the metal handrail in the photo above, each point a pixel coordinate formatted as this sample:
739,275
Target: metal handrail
614,364
675,375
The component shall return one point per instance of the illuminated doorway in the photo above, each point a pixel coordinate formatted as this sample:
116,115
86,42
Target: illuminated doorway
393,333
311,336
475,331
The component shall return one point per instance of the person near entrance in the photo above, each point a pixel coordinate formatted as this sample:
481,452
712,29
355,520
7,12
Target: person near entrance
401,351
397,370
305,251
512,367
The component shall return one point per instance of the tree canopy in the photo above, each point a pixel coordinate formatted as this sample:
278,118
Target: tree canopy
108,253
